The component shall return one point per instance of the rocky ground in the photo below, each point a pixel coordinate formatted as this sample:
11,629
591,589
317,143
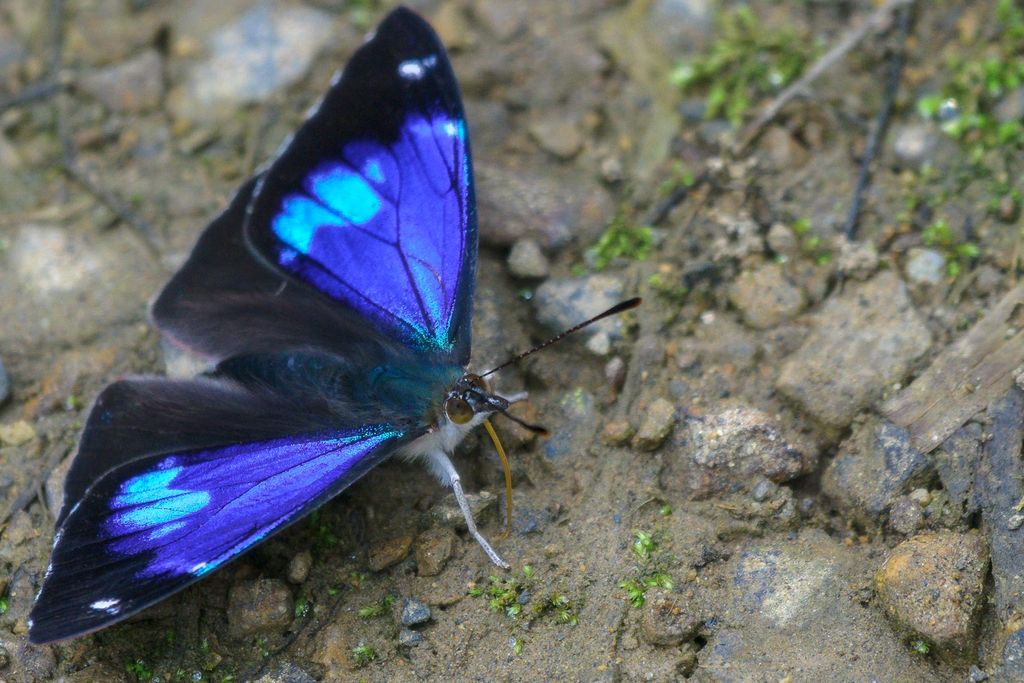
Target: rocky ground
799,460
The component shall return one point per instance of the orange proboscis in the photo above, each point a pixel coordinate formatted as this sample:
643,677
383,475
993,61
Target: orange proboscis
508,478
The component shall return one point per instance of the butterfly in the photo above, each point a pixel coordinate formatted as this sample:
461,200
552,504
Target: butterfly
335,295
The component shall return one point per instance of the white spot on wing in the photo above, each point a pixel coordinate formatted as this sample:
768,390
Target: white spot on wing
198,568
108,605
415,69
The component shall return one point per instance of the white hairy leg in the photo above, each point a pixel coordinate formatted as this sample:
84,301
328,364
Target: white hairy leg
443,467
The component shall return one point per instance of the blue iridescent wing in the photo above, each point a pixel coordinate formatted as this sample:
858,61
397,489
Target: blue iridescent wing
372,200
168,507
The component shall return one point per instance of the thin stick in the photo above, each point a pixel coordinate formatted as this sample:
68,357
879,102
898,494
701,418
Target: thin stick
662,210
881,124
875,22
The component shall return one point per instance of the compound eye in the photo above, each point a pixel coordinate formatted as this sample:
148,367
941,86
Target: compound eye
478,382
457,410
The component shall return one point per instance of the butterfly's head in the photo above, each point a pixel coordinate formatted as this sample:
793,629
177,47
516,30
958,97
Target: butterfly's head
469,401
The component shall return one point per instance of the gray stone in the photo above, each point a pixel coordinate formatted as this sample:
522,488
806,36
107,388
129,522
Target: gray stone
261,52
955,461
865,340
925,266
298,568
763,490
729,451
932,587
285,672
681,26
1011,106
790,604
527,260
414,612
765,297
387,552
976,675
409,638
872,469
557,134
668,618
563,303
259,605
5,384
659,418
783,241
906,517
132,86
578,422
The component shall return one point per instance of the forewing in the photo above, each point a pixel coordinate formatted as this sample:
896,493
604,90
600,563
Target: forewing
155,518
372,200
225,300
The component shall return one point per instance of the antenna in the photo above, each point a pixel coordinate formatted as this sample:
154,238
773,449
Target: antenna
617,308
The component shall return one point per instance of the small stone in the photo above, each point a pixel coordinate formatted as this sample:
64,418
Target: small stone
434,548
858,260
906,517
298,568
921,496
763,490
915,144
976,675
414,612
872,469
409,638
16,433
259,605
261,52
5,384
865,339
557,135
659,418
1010,107
667,620
765,297
932,586
925,266
615,373
561,303
527,260
392,551
132,86
617,432
600,344
448,512
783,241
729,451
1015,522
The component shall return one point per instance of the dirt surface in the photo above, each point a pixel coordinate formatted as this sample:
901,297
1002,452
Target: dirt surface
721,497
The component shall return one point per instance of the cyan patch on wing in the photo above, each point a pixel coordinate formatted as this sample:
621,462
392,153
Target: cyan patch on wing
148,501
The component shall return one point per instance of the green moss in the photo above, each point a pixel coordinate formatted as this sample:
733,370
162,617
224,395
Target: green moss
958,254
301,607
139,670
362,655
622,240
746,62
377,609
651,569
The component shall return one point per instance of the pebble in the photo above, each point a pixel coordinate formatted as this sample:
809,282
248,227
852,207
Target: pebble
409,638
765,297
578,422
434,548
5,384
866,339
905,517
915,144
258,54
133,86
617,432
730,451
531,204
763,490
872,469
1011,106
558,135
976,675
783,241
526,260
681,26
414,612
259,605
932,586
615,373
562,303
667,619
659,418
16,433
449,514
299,566
925,266
390,552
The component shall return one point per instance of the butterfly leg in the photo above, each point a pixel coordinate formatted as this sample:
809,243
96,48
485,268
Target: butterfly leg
441,464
